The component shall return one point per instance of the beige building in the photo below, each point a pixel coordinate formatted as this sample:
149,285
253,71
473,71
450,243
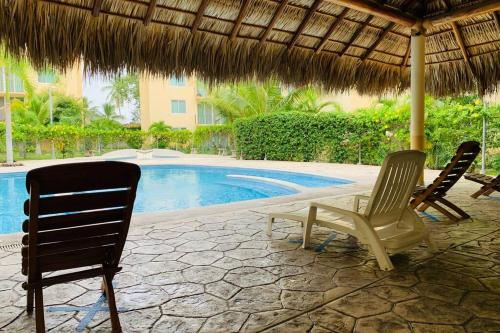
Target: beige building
175,101
68,83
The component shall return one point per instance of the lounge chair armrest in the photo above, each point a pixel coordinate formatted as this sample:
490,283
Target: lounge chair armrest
333,209
357,198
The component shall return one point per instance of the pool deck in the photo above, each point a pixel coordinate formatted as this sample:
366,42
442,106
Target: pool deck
215,270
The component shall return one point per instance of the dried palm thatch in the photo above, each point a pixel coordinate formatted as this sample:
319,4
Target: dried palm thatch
337,44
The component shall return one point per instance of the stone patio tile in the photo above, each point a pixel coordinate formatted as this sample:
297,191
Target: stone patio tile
332,320
439,292
141,296
222,289
429,328
257,321
227,322
203,274
153,249
361,304
492,283
249,277
392,293
450,279
354,277
301,300
306,282
297,325
193,246
202,305
480,325
260,298
387,322
177,324
201,258
242,254
427,310
182,289
483,304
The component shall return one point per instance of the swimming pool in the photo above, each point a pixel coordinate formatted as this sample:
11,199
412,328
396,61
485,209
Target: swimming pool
175,187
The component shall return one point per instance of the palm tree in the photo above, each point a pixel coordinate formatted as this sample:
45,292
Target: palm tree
35,112
108,112
12,67
247,99
124,88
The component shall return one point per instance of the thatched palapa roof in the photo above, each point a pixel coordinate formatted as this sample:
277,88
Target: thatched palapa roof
340,44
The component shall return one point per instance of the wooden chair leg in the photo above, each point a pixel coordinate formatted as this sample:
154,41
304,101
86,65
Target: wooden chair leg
39,316
110,296
476,194
444,211
423,207
29,300
454,207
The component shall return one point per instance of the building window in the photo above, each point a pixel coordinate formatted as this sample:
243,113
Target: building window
178,81
47,76
15,83
207,115
178,106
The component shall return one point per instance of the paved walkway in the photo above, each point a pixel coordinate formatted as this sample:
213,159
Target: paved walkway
221,273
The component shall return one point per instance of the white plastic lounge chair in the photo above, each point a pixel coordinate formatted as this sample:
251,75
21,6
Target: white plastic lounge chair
388,224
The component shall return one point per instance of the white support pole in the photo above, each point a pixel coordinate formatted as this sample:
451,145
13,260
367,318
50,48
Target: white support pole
483,150
51,115
417,91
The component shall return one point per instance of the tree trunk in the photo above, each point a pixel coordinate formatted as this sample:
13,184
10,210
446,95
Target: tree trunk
38,149
8,117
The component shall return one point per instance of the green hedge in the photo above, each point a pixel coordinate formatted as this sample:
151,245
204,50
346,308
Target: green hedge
296,136
211,138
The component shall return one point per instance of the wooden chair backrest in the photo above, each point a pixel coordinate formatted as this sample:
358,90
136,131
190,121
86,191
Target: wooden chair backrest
394,186
459,164
79,215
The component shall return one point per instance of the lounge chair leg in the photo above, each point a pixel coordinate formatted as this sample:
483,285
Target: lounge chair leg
383,259
423,207
110,296
451,205
308,227
476,194
270,226
449,215
29,300
39,316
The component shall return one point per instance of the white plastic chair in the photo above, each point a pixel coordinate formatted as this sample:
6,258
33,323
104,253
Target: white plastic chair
388,224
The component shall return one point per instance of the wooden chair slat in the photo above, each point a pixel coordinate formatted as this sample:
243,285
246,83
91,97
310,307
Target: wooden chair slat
78,177
79,233
80,202
66,246
77,219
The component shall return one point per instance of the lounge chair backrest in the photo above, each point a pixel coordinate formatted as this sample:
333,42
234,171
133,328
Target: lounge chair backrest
79,215
395,184
459,164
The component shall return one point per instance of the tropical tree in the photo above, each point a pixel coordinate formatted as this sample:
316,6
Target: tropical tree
247,99
33,112
12,68
108,112
161,133
124,88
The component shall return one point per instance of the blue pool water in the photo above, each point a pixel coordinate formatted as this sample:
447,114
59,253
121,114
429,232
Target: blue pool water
174,187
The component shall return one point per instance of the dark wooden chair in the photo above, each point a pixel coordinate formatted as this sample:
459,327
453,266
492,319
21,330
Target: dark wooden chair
490,184
79,216
435,192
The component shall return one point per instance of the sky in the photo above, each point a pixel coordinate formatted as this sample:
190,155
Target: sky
94,88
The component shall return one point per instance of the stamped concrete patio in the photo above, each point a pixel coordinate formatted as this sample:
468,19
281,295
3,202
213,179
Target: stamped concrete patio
221,273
